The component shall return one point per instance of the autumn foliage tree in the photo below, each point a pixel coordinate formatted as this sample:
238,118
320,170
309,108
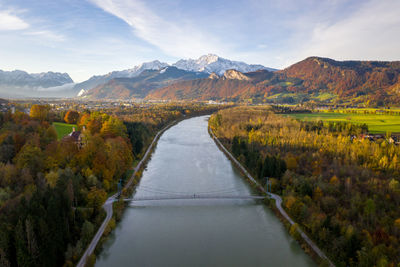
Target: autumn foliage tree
71,117
344,192
39,112
52,191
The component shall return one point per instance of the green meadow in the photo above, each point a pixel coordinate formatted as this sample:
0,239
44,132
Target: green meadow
376,123
63,129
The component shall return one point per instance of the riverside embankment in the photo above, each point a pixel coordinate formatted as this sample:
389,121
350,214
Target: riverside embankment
197,232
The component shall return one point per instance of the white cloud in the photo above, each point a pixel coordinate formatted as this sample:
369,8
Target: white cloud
371,32
175,38
11,22
49,35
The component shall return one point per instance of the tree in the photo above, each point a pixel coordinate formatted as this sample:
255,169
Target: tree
30,157
369,208
31,240
39,112
235,146
7,149
87,232
96,197
52,178
71,117
291,162
294,231
113,127
397,224
50,135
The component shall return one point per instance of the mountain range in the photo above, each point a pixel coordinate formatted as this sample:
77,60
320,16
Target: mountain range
140,86
316,79
207,64
212,63
20,83
52,84
210,77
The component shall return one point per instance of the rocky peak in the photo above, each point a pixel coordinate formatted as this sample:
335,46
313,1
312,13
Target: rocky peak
213,76
235,75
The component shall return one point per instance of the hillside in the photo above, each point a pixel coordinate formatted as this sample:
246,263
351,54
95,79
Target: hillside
319,79
347,79
141,85
233,85
129,73
206,64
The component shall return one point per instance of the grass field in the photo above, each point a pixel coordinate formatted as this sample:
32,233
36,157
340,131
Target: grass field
63,129
376,123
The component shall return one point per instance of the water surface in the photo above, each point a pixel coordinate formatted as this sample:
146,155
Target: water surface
197,232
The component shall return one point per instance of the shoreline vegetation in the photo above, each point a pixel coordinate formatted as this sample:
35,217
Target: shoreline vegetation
275,204
340,184
88,258
52,190
118,207
343,192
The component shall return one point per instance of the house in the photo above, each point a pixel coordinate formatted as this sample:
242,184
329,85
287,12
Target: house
76,136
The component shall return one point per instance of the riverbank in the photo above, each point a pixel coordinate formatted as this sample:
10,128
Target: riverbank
278,203
108,205
196,232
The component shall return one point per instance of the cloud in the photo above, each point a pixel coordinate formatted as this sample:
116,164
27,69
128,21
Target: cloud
180,39
371,32
49,35
11,22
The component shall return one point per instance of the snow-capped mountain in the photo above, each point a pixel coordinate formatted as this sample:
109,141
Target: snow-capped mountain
135,71
21,78
21,84
129,73
81,92
208,63
212,63
138,87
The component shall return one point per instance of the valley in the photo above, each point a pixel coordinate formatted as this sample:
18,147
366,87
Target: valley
199,133
314,80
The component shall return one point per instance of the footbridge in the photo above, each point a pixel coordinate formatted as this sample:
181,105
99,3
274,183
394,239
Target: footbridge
193,196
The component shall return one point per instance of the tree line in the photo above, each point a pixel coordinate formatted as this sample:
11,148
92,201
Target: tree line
344,192
52,190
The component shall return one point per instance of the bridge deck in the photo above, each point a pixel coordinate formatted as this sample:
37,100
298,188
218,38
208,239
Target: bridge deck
182,197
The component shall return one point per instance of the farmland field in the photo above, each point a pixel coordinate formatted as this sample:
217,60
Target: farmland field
63,129
376,123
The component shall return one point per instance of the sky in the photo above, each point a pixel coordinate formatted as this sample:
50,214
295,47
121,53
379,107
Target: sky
92,37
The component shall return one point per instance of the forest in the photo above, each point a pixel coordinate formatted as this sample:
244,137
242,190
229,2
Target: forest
52,191
343,191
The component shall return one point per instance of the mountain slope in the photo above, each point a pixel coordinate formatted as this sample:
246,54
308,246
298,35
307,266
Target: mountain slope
19,78
345,78
233,85
141,85
207,64
319,79
19,83
129,73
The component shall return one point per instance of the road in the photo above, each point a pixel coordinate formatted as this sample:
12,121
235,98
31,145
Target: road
278,201
108,205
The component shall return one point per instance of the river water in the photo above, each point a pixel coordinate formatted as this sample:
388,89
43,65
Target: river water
197,232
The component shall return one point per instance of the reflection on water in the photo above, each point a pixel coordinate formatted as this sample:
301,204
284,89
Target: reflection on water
197,232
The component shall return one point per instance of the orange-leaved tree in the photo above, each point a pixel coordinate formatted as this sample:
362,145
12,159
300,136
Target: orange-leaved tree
71,117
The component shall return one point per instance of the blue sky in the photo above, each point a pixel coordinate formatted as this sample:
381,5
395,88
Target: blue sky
89,37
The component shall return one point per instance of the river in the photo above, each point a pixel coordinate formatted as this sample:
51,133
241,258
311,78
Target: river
197,232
